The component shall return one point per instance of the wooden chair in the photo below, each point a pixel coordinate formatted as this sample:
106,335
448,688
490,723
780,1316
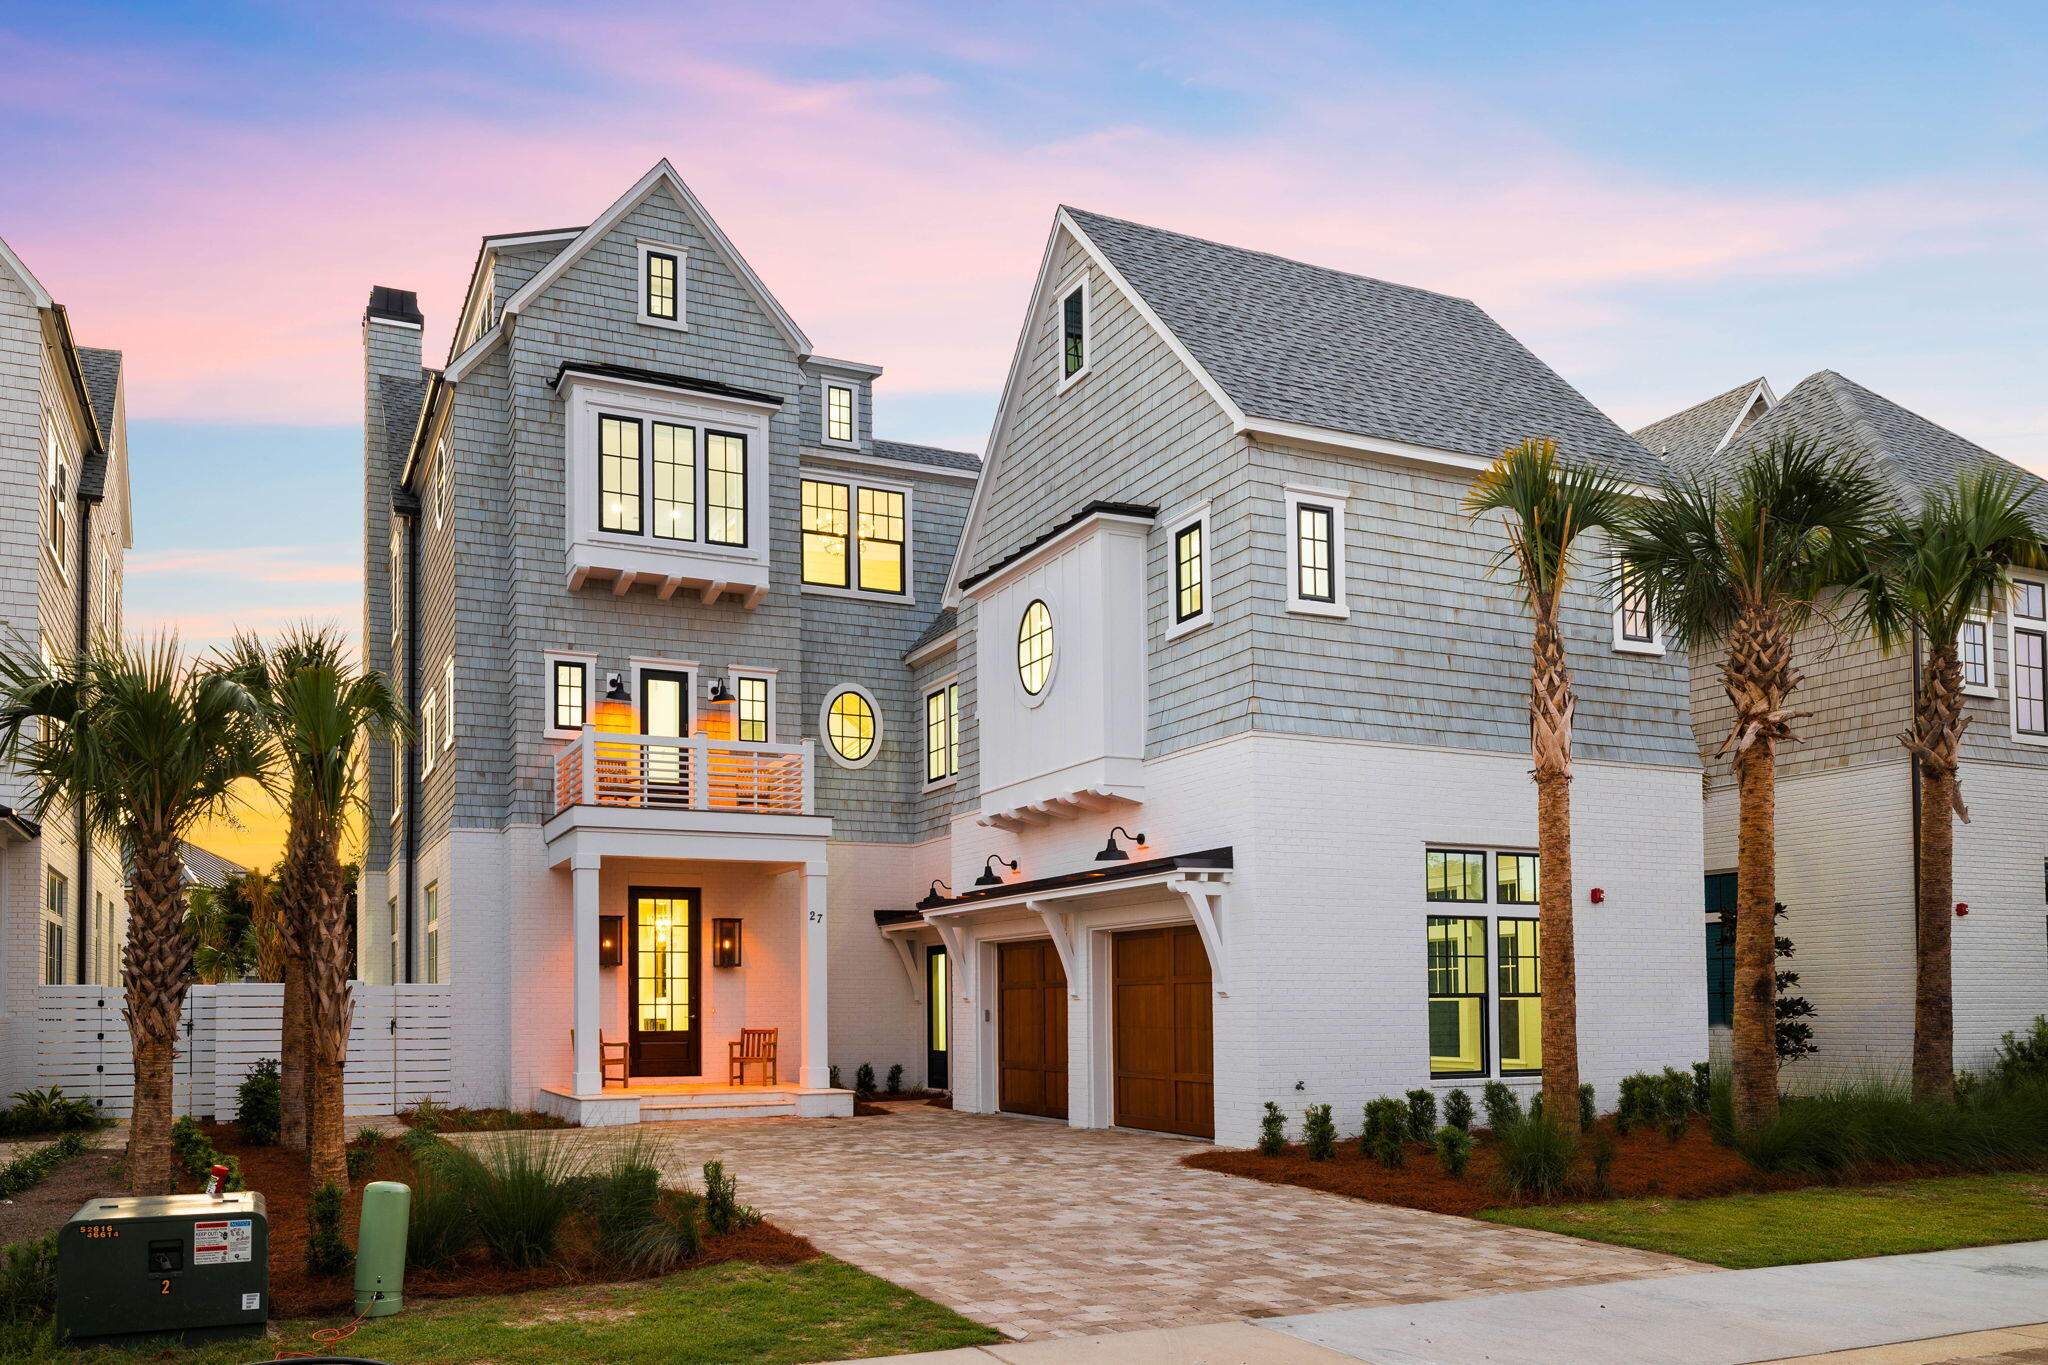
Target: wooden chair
754,1046
611,1061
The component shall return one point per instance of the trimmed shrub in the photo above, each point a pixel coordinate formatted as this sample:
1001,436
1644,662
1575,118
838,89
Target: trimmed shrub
1272,1131
832,1078
1318,1133
259,1105
1385,1135
1458,1110
1453,1151
1674,1102
2022,1057
1421,1115
1535,1157
1503,1108
895,1084
864,1080
1637,1104
523,1187
326,1252
723,1210
1589,1113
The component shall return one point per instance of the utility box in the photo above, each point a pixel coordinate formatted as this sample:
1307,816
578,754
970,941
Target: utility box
187,1266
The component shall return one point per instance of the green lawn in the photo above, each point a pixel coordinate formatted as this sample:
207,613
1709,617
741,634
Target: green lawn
780,1315
1822,1224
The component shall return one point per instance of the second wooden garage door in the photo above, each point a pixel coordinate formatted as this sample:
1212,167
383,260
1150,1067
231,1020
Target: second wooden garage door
1032,1028
1164,1073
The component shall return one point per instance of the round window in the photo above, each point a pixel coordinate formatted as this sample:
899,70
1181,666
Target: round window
850,726
1034,648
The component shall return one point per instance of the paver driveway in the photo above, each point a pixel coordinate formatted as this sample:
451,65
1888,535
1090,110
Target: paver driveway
1041,1230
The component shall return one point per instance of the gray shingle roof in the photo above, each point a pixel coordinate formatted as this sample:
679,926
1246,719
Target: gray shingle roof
931,455
400,398
941,625
206,868
1689,437
1302,343
102,371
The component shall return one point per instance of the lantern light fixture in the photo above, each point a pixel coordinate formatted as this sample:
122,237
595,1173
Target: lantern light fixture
725,943
611,944
1111,853
989,875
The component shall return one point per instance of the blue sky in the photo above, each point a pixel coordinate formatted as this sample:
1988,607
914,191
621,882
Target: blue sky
1662,200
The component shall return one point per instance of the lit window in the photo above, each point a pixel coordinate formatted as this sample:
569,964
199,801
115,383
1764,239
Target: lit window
1074,332
675,481
433,934
2030,681
953,726
838,413
569,691
753,708
1188,596
1457,995
661,285
1034,648
1635,624
850,726
1455,876
881,540
725,488
1521,996
1515,880
942,733
825,533
842,550
1315,553
1973,644
619,474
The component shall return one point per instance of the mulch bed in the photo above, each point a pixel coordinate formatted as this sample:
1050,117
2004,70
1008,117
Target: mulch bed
1646,1165
45,1207
281,1177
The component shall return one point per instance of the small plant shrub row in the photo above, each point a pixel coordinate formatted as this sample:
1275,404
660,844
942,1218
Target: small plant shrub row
1668,1099
440,1118
864,1081
197,1154
32,1168
36,1112
259,1105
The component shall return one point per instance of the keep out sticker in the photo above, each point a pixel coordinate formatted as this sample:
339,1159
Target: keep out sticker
223,1242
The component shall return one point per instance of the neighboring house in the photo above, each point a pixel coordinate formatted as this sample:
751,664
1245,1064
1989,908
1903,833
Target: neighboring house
64,528
707,673
1846,807
204,867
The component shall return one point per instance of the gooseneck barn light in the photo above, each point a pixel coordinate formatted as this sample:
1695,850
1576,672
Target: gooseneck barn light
1111,853
989,876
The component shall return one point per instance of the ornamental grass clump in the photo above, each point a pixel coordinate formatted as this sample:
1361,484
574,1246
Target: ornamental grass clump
1453,1151
1421,1115
1877,1123
1385,1135
1535,1157
1503,1107
1318,1133
1458,1110
1272,1131
523,1188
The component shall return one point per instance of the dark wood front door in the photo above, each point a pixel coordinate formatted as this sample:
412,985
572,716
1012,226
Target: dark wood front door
1032,1028
938,1020
666,973
1164,1073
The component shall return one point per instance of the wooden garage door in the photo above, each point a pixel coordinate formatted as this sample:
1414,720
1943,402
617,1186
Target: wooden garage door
1032,1012
1164,1074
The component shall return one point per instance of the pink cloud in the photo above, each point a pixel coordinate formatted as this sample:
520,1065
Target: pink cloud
257,564
198,631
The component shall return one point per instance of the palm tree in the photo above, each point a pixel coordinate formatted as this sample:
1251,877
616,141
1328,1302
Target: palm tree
146,745
1743,560
216,948
319,709
1548,506
266,941
1936,567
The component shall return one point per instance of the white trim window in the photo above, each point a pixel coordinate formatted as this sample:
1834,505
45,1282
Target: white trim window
448,703
1973,645
1190,570
839,413
430,725
57,502
569,680
1073,321
851,722
856,536
56,915
442,458
432,896
2027,648
398,780
663,268
942,733
1317,519
753,711
1635,627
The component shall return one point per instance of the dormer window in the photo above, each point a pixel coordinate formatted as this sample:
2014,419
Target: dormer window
840,422
661,284
1073,331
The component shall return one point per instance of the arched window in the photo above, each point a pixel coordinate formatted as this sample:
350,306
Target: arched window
1034,648
851,728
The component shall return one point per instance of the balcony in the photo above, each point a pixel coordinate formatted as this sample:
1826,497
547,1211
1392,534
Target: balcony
663,773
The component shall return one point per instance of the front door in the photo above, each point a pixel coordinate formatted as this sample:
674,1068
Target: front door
664,1037
665,712
1164,1072
1032,1027
938,1021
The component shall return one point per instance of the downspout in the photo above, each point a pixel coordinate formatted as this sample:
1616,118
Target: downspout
1914,764
412,708
79,646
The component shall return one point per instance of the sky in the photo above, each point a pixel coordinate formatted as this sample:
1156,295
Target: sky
1662,200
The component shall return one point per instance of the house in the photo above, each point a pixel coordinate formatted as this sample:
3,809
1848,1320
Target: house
204,867
1846,805
64,529
1173,763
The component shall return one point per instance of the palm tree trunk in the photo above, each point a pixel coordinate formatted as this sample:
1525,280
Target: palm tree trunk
294,892
1551,705
328,1015
157,964
1935,741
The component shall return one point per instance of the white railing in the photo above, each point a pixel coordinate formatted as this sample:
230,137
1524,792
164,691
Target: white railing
661,772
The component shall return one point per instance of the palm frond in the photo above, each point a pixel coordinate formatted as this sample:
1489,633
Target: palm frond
1951,558
1547,504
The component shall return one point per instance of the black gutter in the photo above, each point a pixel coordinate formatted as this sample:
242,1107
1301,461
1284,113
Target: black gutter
1208,860
79,644
410,519
19,823
1093,509
599,370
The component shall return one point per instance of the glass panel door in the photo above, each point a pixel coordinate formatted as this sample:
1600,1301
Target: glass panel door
665,712
936,1003
665,983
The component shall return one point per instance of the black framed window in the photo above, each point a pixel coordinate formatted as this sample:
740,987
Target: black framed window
1315,552
752,720
1720,949
569,691
675,481
1073,332
1518,966
1515,879
1034,648
953,727
880,532
937,736
827,540
618,474
2030,600
1457,995
1189,594
1636,625
1973,645
661,285
725,488
1455,875
838,413
2030,681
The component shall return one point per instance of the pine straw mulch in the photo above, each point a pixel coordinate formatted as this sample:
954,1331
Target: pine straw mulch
1646,1165
281,1177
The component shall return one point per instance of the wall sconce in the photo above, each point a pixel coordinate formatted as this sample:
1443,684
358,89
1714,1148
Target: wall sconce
718,692
1111,853
989,876
725,943
611,940
615,688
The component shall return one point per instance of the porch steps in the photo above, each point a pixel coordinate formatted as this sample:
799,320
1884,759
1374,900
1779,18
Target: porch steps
672,1108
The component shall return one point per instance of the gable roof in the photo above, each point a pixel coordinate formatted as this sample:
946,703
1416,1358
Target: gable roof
661,175
37,294
1687,437
931,455
102,371
204,867
1299,343
399,398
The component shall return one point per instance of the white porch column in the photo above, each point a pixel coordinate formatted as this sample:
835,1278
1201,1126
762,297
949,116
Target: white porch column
817,1057
583,870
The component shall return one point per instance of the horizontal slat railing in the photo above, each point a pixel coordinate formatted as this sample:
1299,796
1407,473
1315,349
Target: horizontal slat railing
657,772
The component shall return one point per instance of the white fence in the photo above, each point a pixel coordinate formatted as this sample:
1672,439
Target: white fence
398,1048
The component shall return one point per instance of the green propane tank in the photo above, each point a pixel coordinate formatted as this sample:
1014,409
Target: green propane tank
380,1249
